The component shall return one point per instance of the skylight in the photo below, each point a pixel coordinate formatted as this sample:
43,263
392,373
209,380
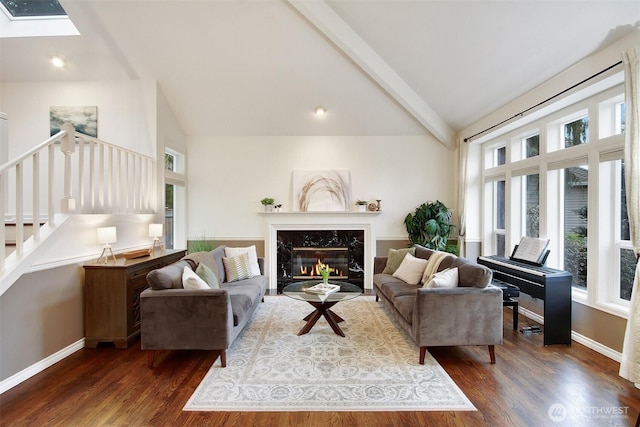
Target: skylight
34,18
33,8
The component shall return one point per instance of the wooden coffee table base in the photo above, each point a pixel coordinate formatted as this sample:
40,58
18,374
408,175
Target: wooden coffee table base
322,309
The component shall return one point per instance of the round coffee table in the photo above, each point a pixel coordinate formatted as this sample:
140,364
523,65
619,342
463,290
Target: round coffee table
322,302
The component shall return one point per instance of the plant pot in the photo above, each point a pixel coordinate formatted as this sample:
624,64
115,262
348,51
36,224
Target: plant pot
362,208
268,208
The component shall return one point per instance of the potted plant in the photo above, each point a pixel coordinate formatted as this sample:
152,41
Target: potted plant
430,226
268,202
362,205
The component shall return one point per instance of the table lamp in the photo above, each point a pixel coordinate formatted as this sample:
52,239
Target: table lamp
155,231
106,236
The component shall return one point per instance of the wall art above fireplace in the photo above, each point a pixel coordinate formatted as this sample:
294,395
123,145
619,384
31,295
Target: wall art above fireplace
321,191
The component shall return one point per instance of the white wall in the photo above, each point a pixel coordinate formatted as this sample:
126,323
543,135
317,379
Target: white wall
122,112
228,176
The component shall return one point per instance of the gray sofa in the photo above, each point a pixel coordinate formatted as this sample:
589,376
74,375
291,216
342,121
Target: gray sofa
174,318
468,314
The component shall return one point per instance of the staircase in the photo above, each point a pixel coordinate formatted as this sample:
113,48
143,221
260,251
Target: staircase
97,178
11,234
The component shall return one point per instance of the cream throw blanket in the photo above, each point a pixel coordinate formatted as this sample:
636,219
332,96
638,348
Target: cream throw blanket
432,265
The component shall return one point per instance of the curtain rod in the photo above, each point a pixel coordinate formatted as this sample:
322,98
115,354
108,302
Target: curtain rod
520,114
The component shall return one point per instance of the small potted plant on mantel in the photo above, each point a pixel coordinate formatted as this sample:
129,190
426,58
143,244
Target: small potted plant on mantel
362,205
268,202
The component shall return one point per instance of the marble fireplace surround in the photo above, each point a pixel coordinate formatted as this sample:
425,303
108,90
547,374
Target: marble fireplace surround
300,221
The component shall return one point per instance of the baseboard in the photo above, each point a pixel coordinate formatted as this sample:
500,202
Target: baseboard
596,346
579,338
40,366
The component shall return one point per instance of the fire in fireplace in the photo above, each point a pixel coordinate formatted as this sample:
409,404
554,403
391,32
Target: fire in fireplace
307,262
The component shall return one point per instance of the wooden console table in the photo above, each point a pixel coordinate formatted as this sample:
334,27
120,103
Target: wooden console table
112,297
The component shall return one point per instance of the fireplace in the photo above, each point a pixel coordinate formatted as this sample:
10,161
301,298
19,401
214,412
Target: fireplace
307,263
301,254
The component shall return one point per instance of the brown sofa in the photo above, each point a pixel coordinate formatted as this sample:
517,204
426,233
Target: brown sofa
468,314
174,318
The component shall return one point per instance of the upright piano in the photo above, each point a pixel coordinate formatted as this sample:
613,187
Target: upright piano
550,285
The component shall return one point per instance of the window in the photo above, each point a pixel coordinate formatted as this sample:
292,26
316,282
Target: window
576,132
532,205
30,8
501,156
34,18
566,184
532,146
628,261
620,117
574,219
175,200
500,226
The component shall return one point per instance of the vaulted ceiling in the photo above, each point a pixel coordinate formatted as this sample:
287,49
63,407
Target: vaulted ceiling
383,67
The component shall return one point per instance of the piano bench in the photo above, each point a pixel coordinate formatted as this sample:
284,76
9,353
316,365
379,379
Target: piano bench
510,302
509,292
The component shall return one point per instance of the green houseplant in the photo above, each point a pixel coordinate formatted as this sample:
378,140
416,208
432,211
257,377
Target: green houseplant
201,244
268,202
430,226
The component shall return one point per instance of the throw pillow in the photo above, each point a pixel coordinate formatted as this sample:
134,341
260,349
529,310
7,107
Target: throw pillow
395,258
434,262
206,274
411,269
237,268
190,280
253,257
445,279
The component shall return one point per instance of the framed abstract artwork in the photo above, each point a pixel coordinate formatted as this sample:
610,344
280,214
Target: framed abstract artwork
321,191
84,119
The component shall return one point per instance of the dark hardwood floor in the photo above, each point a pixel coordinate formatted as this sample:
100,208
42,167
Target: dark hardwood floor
110,387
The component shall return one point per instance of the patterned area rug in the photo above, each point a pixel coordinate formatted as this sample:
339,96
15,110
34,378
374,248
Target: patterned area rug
374,368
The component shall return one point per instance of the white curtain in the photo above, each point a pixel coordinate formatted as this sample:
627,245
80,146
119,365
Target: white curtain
463,152
630,365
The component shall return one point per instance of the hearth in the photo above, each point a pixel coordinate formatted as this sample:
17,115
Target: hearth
301,253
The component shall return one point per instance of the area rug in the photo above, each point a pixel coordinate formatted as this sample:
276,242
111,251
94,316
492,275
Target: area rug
373,368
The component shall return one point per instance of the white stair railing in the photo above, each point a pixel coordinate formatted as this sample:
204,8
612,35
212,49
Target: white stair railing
105,179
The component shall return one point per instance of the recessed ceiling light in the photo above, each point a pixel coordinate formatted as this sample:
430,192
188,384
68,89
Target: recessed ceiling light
320,111
57,62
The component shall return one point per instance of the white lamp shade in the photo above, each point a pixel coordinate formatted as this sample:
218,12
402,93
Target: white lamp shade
155,230
107,235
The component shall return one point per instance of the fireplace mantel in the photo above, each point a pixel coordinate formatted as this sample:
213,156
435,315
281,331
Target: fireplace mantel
275,221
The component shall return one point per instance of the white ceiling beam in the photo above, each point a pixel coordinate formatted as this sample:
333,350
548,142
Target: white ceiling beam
321,15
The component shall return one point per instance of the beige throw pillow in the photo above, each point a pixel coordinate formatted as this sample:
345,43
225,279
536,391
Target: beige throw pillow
190,280
411,269
237,268
251,252
395,257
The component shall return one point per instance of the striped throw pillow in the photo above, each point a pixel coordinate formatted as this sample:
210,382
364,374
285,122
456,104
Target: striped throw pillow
237,267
